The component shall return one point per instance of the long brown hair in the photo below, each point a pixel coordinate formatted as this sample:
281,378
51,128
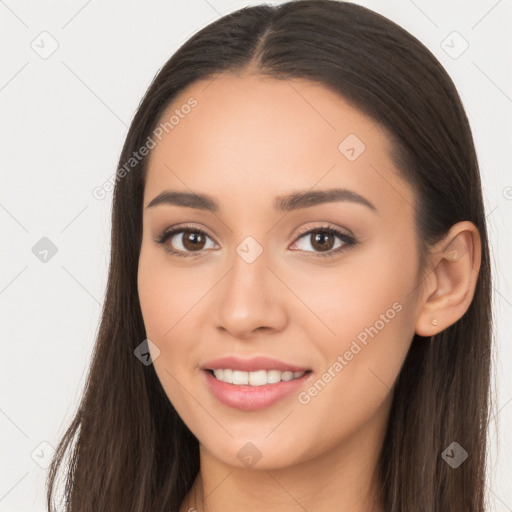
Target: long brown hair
127,448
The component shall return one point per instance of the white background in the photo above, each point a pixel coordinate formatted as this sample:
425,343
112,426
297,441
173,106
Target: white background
64,120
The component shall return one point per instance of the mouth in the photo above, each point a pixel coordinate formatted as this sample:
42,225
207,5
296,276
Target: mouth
254,390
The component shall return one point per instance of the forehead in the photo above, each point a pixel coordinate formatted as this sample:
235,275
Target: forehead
251,137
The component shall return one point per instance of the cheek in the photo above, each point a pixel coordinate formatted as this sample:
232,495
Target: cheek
360,366
346,300
170,296
165,294
368,320
165,299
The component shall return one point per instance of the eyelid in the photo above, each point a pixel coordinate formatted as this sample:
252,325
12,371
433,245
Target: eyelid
327,226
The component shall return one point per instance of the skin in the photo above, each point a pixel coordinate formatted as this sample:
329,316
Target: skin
248,140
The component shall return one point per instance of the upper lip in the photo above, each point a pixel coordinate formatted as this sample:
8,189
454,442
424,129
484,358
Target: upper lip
251,365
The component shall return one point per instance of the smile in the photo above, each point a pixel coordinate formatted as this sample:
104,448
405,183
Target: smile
252,391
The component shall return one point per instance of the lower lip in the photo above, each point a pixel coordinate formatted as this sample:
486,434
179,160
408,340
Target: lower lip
252,398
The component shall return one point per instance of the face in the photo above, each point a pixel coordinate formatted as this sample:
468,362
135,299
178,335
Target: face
271,265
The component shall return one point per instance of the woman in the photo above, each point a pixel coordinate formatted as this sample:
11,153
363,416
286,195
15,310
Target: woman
298,305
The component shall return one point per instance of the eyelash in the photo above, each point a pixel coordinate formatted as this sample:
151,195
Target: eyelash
348,241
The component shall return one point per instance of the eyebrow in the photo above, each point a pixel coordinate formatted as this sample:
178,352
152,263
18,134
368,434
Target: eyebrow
290,202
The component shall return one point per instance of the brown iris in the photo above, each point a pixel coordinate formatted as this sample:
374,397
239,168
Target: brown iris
193,240
322,241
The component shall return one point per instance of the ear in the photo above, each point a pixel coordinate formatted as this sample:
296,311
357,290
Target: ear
449,287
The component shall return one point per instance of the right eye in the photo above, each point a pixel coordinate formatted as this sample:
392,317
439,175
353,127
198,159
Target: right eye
191,239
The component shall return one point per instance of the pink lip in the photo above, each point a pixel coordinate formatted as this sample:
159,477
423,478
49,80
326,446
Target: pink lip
251,365
252,398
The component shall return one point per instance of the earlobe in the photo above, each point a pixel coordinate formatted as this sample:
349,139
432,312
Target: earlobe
451,283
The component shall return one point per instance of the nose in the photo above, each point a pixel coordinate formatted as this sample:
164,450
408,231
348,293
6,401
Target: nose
251,298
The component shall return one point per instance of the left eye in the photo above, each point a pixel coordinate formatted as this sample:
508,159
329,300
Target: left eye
323,241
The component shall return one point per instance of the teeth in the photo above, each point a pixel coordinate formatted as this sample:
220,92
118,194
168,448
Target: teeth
240,377
257,378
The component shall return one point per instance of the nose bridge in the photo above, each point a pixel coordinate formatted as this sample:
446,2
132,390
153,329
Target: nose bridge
250,297
251,253
248,279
